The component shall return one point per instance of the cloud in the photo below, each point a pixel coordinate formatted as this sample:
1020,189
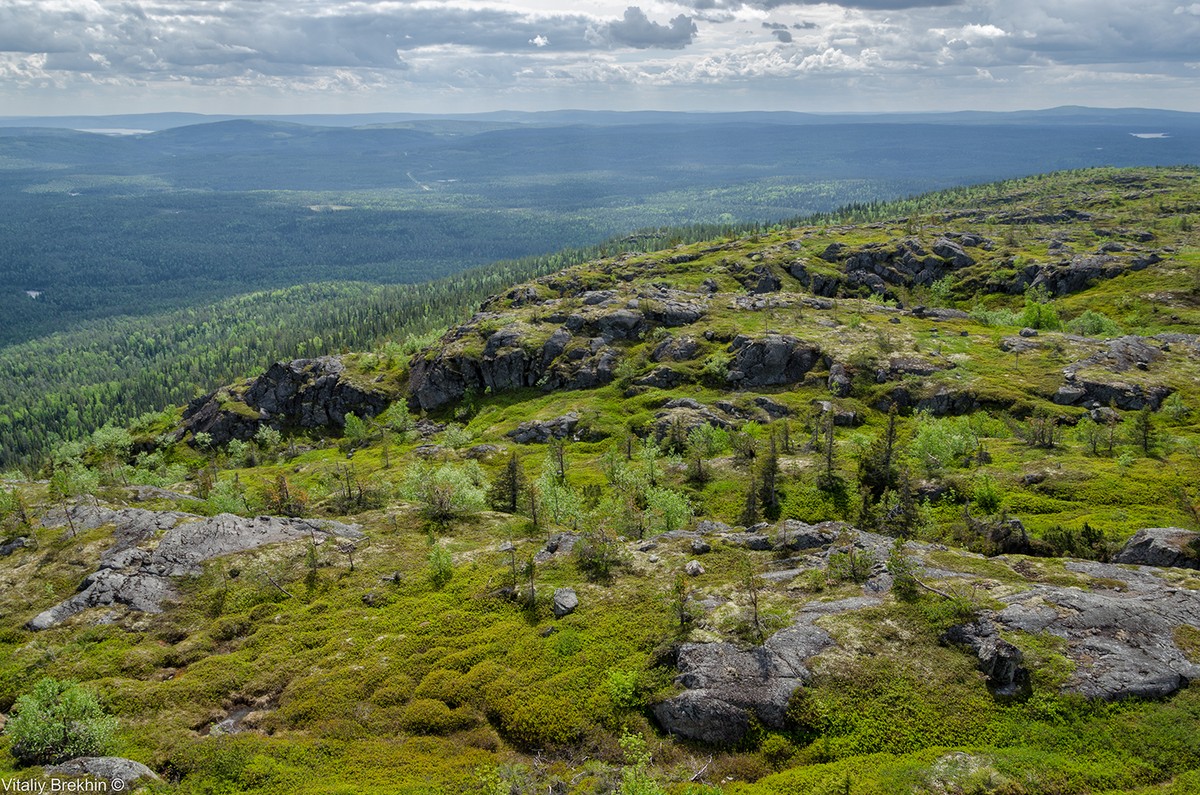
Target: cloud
637,30
851,52
876,5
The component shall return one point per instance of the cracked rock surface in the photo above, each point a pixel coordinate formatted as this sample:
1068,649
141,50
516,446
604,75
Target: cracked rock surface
151,547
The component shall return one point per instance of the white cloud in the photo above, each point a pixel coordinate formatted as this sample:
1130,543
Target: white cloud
778,52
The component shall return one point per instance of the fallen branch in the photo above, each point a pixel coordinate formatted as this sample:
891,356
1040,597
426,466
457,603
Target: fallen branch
696,776
931,589
282,590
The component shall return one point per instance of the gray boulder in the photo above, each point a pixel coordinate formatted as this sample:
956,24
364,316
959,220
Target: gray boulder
675,349
107,769
798,536
565,602
839,380
726,685
761,279
11,546
953,252
661,378
540,432
1161,546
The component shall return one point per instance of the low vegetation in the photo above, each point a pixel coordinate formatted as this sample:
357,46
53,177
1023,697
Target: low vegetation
434,654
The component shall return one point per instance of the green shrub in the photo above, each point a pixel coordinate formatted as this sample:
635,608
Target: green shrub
988,495
441,566
943,443
430,716
994,317
447,492
57,721
1094,324
667,510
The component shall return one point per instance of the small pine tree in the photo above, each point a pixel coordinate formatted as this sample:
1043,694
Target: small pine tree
1143,432
768,491
511,483
750,514
903,569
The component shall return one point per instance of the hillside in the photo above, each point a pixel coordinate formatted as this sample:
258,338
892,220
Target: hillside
902,500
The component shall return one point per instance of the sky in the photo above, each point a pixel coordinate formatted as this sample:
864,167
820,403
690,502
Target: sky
66,57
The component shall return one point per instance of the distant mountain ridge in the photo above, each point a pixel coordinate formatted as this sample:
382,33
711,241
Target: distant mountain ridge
1066,114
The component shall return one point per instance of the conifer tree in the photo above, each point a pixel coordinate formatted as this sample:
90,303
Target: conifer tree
511,483
750,514
768,492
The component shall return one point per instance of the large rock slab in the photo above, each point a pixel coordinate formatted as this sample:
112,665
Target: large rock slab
1121,642
772,360
151,547
726,685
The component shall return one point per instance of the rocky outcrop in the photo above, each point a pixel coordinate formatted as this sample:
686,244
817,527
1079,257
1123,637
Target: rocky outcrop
1162,546
661,378
106,769
775,359
1121,394
1000,661
725,685
304,393
905,263
151,547
759,279
1085,386
827,285
538,432
1081,272
1121,642
567,347
684,414
676,349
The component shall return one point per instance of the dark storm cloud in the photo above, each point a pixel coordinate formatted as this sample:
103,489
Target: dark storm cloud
637,30
783,36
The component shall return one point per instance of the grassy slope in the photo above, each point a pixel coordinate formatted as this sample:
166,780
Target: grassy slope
382,680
